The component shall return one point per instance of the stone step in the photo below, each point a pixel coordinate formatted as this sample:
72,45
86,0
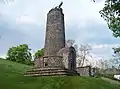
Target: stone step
46,71
41,72
48,74
47,68
49,71
54,69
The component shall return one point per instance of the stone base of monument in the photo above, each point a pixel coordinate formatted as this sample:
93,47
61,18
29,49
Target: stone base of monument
50,71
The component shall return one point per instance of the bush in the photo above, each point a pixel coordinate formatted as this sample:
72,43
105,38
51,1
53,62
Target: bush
20,54
110,76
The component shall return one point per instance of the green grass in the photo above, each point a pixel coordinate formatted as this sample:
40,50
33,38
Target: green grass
11,78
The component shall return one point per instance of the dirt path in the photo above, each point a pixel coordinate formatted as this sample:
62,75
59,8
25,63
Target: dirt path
111,81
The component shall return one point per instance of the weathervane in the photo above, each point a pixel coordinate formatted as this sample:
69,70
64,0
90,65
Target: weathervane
59,5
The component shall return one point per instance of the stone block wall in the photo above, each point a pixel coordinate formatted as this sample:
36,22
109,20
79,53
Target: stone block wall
38,62
84,71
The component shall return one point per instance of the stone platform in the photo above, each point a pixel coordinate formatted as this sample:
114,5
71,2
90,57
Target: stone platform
50,71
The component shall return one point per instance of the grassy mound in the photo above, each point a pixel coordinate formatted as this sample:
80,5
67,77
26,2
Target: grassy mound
11,78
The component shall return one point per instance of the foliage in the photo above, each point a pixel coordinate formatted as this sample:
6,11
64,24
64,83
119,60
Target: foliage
110,76
11,78
20,54
116,50
116,57
111,14
70,42
83,54
105,64
39,53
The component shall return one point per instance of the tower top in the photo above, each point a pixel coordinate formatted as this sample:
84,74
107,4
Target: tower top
57,8
59,5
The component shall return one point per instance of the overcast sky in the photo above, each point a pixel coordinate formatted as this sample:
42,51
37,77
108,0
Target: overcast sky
24,21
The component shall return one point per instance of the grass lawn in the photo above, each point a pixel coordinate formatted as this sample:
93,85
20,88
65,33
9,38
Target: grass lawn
11,78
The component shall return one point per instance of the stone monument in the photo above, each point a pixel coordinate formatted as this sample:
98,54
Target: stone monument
58,59
55,36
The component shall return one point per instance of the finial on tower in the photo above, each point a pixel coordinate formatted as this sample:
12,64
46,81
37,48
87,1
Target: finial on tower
60,5
57,7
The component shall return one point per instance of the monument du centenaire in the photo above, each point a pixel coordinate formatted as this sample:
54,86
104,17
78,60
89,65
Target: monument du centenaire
58,58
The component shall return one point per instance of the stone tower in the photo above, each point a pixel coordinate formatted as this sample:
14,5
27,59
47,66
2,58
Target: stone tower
55,33
57,59
55,37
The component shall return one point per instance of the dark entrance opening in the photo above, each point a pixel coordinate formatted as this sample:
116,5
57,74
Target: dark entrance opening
46,64
72,59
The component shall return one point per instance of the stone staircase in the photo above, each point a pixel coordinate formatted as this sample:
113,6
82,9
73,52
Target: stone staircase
50,71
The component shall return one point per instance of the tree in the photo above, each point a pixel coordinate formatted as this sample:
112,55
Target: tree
39,53
116,57
111,14
106,64
71,42
83,54
20,54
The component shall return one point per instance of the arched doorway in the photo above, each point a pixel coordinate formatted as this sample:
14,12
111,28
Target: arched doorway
72,59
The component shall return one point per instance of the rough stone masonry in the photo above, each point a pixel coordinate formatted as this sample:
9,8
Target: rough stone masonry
55,33
58,59
55,36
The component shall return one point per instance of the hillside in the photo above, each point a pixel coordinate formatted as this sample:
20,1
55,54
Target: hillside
11,78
